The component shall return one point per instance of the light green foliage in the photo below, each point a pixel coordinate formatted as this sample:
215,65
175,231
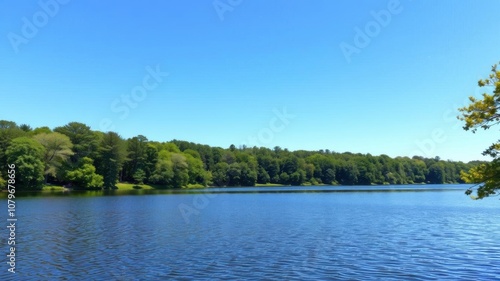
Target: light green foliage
180,168
484,113
171,170
3,183
57,150
27,155
170,147
41,130
85,176
196,172
488,175
163,173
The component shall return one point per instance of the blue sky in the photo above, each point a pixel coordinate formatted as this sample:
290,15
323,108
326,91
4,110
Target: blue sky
262,73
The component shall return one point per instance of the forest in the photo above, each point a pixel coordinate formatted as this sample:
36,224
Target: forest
75,156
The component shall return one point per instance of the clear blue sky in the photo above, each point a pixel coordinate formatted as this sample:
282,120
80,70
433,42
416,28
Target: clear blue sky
229,69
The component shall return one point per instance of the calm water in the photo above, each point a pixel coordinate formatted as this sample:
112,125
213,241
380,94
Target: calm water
399,233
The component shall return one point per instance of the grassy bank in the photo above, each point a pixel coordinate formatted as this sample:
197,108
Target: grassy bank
268,184
51,187
133,186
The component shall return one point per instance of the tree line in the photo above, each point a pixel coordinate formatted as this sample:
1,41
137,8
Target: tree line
74,155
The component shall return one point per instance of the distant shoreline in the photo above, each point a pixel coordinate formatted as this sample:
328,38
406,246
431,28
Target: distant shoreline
127,188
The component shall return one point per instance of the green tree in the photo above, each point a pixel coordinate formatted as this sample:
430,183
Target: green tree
328,176
181,171
41,130
8,131
248,176
234,174
171,170
219,174
27,155
263,176
111,156
436,174
57,150
150,160
196,172
26,128
485,113
348,173
136,159
163,173
284,178
139,176
84,140
298,177
85,176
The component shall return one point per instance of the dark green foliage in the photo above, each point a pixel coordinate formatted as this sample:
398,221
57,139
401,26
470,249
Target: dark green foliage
111,156
437,174
220,174
136,158
103,159
84,140
139,176
263,176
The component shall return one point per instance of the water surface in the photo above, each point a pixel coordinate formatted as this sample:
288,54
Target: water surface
320,233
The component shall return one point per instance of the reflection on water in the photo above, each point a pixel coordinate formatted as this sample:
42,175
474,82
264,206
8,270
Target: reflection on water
279,235
280,189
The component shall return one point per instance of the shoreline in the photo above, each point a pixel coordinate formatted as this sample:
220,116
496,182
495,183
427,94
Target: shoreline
129,189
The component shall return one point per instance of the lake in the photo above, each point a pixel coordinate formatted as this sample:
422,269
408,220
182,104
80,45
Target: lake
412,232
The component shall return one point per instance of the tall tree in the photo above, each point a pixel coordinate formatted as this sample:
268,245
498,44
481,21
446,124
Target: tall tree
163,172
84,140
485,113
150,160
136,148
111,156
181,173
220,174
57,150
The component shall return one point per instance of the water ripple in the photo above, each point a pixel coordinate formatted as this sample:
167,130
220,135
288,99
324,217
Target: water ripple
290,236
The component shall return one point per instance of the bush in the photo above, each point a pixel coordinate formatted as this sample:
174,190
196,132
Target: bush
3,183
